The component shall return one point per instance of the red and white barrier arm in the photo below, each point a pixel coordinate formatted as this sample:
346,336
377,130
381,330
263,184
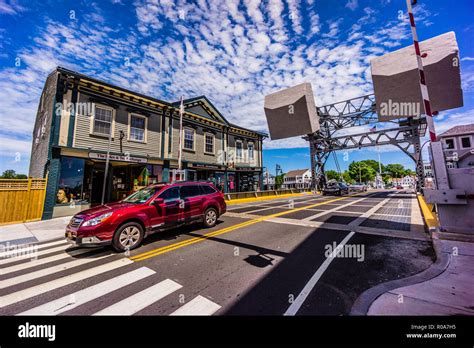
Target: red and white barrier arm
424,89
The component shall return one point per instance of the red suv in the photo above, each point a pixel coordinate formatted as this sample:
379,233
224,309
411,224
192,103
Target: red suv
155,208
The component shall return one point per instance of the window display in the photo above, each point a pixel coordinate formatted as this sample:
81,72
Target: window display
70,188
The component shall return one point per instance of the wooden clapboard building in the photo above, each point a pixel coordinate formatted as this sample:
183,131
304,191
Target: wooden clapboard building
79,118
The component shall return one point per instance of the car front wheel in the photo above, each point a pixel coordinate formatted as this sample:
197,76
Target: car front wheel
210,217
128,236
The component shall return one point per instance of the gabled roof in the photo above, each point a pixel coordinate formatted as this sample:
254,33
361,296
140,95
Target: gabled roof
297,172
208,109
204,107
458,130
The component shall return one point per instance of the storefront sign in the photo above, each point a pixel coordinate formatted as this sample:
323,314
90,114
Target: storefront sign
205,166
121,158
247,169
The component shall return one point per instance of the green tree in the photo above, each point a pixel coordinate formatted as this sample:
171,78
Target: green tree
279,180
9,174
347,177
374,165
360,171
332,174
395,170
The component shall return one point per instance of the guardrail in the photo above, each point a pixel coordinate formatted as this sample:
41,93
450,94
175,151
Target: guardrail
255,194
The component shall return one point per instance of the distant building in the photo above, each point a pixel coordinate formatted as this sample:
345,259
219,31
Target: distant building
458,146
428,173
299,179
268,181
408,181
427,169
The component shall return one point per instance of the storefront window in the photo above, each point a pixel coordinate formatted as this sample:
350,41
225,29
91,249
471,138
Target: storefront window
71,181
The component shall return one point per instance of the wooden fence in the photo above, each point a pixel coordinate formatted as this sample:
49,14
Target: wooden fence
21,200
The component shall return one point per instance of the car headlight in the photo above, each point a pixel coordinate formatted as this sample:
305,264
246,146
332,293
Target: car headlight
97,220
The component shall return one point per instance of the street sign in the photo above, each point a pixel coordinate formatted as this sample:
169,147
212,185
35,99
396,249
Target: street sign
291,112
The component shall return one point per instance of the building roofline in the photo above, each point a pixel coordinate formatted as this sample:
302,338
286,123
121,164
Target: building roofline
173,105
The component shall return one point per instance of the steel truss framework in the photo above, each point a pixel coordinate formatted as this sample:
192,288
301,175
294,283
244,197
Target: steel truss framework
357,112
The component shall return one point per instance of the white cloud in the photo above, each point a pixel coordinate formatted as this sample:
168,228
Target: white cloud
11,7
235,53
352,4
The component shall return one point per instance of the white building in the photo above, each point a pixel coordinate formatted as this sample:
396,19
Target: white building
408,181
300,178
428,171
268,181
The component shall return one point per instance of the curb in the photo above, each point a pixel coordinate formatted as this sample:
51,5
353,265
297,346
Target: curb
431,221
363,302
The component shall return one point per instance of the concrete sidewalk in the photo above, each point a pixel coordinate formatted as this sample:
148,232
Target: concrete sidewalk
449,292
31,232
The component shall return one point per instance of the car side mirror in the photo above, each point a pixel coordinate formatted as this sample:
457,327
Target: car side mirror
158,201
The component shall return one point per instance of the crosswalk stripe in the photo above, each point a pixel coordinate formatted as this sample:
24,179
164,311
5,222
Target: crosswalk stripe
33,255
63,281
142,299
42,261
20,249
93,292
50,270
198,306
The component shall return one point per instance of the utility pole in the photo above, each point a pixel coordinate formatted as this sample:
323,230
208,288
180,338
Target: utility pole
106,173
180,150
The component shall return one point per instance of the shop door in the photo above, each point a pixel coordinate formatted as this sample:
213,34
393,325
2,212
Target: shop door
97,185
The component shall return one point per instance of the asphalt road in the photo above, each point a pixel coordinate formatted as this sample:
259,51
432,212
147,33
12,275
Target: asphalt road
272,257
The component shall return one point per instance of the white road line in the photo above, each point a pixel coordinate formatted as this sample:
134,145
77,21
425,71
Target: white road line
198,306
33,255
50,270
142,299
93,292
298,302
57,283
26,249
37,262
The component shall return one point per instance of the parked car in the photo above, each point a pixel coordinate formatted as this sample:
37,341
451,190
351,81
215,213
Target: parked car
155,208
358,187
399,187
335,188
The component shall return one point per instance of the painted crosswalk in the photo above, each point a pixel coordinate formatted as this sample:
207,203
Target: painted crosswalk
39,285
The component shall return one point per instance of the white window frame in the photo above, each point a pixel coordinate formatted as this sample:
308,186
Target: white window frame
184,137
446,145
206,134
250,143
237,152
112,125
470,141
145,133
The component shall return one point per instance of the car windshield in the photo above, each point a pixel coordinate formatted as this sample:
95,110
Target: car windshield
141,196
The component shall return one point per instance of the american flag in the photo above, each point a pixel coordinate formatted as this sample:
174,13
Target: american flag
373,129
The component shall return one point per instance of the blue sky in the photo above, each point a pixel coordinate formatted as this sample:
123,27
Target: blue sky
234,52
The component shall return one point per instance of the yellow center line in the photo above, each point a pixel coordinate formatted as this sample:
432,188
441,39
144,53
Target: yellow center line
174,246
